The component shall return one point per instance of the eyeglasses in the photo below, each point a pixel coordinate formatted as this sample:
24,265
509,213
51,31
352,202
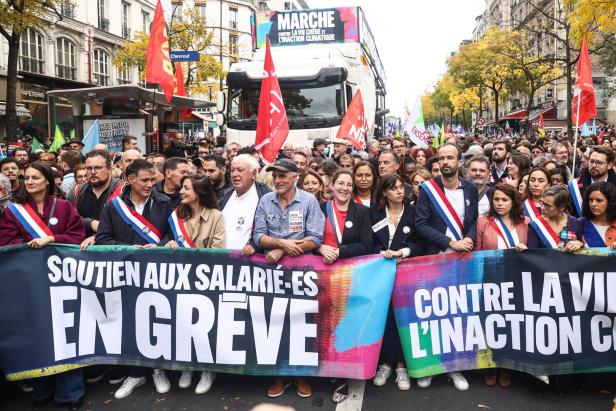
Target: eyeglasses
546,206
97,169
596,162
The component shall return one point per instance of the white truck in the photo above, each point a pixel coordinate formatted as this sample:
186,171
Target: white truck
322,57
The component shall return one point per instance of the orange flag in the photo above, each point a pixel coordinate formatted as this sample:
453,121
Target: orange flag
159,69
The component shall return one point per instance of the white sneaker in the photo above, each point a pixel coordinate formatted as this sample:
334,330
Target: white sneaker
161,382
129,386
382,374
205,383
185,379
424,382
458,381
402,379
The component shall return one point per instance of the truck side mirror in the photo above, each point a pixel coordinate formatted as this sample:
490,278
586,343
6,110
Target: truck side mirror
220,119
221,101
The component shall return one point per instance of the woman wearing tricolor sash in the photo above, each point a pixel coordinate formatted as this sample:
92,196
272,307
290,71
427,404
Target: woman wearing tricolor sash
538,182
599,215
38,218
504,227
197,223
555,226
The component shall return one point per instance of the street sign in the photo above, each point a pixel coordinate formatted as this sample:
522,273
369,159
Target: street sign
187,55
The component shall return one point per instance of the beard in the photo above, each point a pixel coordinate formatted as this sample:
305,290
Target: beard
99,182
448,172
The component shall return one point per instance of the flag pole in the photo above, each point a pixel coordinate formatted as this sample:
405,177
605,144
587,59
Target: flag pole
577,126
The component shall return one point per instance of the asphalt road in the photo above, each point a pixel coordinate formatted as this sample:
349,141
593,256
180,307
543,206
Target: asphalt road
588,392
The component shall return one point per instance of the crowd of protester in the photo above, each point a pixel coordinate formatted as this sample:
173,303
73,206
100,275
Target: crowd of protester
503,192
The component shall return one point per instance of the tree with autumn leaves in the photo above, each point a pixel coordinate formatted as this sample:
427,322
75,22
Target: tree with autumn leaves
187,33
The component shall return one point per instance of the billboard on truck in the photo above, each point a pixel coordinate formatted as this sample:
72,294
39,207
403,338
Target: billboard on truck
292,28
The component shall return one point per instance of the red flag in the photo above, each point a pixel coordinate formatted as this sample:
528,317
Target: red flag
586,90
272,123
600,137
180,89
158,69
540,121
354,125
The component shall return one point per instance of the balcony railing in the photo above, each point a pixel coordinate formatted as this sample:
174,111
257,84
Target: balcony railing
125,32
31,65
66,72
103,24
67,10
101,79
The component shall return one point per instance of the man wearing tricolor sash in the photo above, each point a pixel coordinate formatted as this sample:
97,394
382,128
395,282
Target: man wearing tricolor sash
138,216
599,170
446,218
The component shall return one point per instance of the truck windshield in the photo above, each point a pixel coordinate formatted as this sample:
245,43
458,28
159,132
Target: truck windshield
300,103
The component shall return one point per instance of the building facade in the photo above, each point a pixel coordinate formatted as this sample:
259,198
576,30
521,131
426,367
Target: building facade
73,52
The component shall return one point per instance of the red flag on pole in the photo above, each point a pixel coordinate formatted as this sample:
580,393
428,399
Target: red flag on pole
354,125
540,121
180,88
158,69
584,103
272,123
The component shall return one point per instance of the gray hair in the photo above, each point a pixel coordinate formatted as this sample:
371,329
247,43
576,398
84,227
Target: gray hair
5,183
249,160
479,158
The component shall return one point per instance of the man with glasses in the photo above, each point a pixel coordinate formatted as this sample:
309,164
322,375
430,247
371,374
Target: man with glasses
599,168
399,146
90,198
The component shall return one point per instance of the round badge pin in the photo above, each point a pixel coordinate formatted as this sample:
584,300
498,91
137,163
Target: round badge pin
348,224
53,221
145,229
406,229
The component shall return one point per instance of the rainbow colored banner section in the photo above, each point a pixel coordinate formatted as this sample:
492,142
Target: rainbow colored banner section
542,312
190,309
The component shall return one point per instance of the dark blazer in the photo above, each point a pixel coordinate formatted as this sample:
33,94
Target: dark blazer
112,230
401,239
431,226
494,178
357,239
585,180
573,224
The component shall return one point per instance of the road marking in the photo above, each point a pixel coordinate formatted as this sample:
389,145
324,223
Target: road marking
355,398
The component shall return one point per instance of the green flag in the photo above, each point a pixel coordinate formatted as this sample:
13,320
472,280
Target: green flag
72,134
36,146
58,141
440,139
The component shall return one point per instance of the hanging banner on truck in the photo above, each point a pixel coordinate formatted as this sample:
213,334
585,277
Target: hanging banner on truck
190,309
315,26
544,312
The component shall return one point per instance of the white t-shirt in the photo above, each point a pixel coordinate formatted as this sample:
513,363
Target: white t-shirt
239,214
501,243
484,206
456,199
140,208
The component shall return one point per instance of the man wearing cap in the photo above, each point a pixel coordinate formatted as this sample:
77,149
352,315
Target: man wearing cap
319,146
76,145
340,148
288,222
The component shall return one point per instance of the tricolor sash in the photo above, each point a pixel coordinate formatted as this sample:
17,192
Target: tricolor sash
333,221
592,237
576,195
138,223
544,231
443,206
30,221
503,231
180,233
530,209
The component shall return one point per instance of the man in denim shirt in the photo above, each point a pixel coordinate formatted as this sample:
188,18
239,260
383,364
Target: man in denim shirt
288,221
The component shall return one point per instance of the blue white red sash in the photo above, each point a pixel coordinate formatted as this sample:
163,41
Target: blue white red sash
503,231
530,209
576,195
141,225
179,231
444,208
592,237
29,220
544,231
333,221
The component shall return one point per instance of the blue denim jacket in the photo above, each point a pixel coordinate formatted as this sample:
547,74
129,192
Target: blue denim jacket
302,218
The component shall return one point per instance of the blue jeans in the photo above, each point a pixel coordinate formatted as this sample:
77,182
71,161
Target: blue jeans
65,388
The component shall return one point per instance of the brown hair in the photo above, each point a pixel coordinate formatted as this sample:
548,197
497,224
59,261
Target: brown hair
205,192
517,212
385,183
544,171
300,182
375,175
562,199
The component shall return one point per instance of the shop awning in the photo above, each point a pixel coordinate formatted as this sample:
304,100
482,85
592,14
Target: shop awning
536,113
21,110
515,115
202,116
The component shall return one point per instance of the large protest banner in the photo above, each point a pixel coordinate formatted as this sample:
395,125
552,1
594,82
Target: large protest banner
541,311
61,308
